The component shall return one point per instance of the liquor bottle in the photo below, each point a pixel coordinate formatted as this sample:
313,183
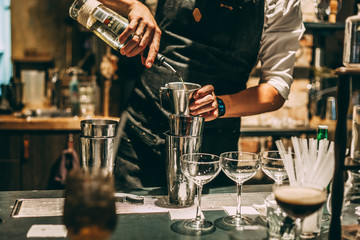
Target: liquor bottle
351,54
104,23
322,132
74,94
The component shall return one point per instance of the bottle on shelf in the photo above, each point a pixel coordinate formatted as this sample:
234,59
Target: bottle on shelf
54,88
351,54
333,6
322,132
74,96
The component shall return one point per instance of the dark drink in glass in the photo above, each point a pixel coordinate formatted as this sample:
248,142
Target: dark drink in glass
299,202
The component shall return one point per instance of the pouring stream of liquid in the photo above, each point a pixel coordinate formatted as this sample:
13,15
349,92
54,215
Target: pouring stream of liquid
176,73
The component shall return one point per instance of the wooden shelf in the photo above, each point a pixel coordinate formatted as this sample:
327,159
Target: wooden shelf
9,122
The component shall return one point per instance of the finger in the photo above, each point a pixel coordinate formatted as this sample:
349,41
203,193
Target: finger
142,44
204,108
143,58
129,30
125,50
207,89
204,101
153,48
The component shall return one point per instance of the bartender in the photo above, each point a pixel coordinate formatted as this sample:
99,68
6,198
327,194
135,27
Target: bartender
212,43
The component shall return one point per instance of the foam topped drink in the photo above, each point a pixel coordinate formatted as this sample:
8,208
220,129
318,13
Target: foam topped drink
299,202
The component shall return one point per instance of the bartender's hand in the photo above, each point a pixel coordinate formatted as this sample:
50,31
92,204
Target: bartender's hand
146,34
204,103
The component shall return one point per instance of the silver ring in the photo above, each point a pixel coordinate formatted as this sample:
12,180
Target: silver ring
138,35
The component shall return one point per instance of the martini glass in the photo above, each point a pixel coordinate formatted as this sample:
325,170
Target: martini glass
199,168
300,201
273,166
239,167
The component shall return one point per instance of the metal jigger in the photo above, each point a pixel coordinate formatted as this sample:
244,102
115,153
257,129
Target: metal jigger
176,96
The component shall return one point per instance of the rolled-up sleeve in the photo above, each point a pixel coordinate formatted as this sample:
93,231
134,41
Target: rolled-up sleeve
283,28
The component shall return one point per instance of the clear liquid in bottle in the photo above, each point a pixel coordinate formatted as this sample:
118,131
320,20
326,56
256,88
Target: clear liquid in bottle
102,21
108,25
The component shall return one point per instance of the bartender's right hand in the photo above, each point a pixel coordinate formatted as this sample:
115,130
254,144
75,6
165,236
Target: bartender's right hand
146,34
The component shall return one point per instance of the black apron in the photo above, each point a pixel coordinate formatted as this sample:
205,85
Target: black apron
207,42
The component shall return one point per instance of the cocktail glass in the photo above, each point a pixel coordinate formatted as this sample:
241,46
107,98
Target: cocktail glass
273,166
199,168
300,201
239,167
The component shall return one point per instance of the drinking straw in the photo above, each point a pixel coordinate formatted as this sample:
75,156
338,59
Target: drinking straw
323,174
305,157
298,161
288,162
289,168
320,159
313,155
281,148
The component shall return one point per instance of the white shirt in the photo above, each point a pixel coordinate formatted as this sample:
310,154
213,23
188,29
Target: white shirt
283,28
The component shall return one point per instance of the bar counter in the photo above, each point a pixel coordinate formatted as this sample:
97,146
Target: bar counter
130,226
10,122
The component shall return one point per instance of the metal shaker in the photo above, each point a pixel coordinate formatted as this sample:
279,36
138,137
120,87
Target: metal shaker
185,136
98,144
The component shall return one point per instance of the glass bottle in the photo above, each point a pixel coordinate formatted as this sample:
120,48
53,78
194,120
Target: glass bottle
322,132
351,54
104,23
108,25
74,94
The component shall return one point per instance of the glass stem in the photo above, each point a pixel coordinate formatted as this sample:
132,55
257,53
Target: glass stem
198,208
298,229
238,207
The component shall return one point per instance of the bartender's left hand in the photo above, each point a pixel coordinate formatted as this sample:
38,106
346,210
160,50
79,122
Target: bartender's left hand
204,103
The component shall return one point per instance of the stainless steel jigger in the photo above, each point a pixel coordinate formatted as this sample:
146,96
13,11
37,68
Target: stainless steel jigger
98,144
185,136
176,96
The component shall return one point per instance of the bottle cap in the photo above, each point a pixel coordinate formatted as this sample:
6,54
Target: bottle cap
322,127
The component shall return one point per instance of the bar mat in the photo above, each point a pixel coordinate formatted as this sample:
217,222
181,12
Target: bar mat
52,207
38,207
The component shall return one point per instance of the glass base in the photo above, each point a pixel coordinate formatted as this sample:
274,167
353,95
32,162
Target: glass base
261,220
309,235
232,222
193,228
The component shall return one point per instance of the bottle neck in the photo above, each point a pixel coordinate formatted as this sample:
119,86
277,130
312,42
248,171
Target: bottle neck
159,60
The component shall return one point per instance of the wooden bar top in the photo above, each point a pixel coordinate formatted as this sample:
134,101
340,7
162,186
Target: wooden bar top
9,122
